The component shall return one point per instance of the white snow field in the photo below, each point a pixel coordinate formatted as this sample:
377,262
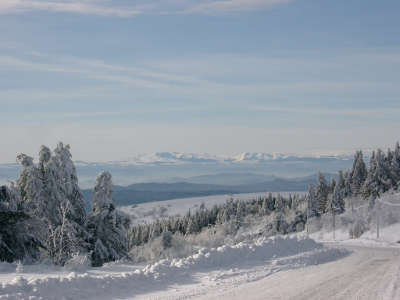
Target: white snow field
149,212
206,272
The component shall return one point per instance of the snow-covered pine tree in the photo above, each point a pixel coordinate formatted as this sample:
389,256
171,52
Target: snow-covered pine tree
240,213
69,180
192,226
107,227
31,186
358,173
65,232
313,205
383,171
332,185
347,184
339,193
395,166
279,204
379,176
52,197
370,185
322,193
16,227
337,197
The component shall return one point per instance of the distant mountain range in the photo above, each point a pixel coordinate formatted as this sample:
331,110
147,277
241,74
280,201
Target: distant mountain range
162,158
149,192
226,170
173,175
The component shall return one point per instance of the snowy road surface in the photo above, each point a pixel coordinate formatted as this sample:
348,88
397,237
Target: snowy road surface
367,273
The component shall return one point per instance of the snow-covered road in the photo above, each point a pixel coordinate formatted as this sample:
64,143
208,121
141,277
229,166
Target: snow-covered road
367,273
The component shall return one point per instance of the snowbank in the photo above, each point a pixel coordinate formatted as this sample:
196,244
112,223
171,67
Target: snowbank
286,252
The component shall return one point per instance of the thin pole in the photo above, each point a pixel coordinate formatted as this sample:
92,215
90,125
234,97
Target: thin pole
377,219
308,217
334,223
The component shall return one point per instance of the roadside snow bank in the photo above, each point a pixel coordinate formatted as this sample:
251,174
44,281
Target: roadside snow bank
288,251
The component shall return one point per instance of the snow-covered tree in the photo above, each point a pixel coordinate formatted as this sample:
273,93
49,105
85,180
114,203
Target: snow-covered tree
337,205
322,192
358,173
107,226
395,166
313,205
347,184
338,195
379,176
30,184
17,240
102,198
332,185
279,203
69,183
66,238
51,196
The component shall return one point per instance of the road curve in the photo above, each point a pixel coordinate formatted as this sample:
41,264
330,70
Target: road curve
367,273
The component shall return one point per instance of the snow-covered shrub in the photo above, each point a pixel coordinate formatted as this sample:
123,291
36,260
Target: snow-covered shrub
166,238
156,250
78,262
358,228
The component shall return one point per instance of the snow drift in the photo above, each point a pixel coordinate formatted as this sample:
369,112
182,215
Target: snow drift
105,283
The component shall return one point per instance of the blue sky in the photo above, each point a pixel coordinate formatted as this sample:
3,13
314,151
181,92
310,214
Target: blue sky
116,78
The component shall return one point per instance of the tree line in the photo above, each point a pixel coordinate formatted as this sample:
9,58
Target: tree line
362,181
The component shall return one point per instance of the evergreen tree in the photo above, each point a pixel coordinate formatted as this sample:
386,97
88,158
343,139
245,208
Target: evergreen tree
332,185
313,205
322,193
379,176
358,174
69,183
51,194
347,184
17,240
383,171
395,166
107,226
66,215
31,186
337,197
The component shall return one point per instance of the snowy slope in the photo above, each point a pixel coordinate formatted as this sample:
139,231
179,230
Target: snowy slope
245,262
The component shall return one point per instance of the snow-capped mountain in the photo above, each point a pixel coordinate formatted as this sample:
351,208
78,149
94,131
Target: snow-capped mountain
165,158
221,169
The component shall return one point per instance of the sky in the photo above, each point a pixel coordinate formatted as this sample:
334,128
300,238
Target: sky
114,78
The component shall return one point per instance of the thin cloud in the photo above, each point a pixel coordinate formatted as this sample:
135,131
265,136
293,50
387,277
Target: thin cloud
184,84
155,7
230,6
370,113
77,7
